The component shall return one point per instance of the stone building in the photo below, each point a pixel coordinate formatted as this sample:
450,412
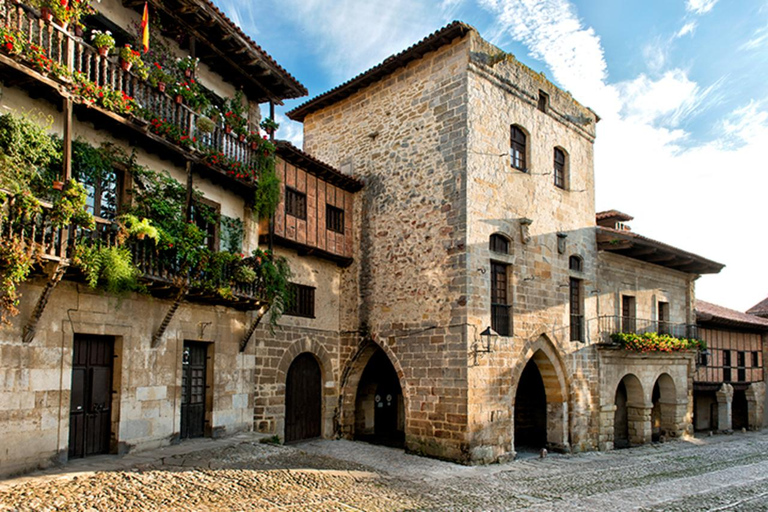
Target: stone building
85,372
478,212
729,383
760,309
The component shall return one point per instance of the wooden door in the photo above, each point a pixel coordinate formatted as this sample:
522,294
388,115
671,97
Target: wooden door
303,399
90,413
193,387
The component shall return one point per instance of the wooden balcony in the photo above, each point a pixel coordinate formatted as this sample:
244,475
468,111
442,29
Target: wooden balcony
72,62
161,269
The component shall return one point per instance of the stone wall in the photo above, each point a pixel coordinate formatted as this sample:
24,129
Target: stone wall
405,136
36,377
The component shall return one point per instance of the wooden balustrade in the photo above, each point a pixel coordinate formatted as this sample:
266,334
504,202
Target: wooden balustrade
76,56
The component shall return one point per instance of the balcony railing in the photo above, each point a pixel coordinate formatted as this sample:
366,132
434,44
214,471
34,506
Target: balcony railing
158,266
72,54
608,325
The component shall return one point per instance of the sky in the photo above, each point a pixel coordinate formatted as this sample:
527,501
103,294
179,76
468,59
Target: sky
680,86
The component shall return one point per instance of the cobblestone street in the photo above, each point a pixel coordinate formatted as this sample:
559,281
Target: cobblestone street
240,473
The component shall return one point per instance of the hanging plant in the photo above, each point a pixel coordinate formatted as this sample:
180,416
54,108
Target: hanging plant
110,268
69,208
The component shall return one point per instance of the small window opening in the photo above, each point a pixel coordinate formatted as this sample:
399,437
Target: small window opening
499,244
543,101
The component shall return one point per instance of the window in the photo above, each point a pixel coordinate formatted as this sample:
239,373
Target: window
726,366
741,363
334,219
543,104
627,313
206,216
301,301
295,203
577,310
559,168
575,263
500,319
663,315
755,359
518,148
103,191
499,244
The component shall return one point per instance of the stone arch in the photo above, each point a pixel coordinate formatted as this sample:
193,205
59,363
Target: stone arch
350,381
666,409
328,380
543,354
632,416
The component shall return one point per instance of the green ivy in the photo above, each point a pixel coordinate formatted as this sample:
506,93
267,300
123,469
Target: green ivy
231,234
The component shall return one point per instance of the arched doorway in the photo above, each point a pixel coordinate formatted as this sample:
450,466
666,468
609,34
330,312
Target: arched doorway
664,402
303,399
739,410
530,410
379,406
629,394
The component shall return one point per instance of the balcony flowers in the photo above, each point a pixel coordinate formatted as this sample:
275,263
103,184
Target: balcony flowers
103,41
192,95
10,42
653,342
131,59
205,125
187,65
159,78
269,125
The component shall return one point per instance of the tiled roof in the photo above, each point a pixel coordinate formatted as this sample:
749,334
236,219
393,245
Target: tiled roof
294,155
430,43
761,308
613,214
707,312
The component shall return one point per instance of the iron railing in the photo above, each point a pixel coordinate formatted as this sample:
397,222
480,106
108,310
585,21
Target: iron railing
76,56
608,325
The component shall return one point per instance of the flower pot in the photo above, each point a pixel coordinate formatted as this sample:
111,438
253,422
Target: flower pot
103,51
227,128
46,14
241,137
161,86
126,65
188,73
254,146
58,185
179,99
141,236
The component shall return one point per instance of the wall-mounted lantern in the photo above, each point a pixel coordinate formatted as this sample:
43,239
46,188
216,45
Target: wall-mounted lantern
487,343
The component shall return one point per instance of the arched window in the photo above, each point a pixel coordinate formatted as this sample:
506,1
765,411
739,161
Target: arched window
575,263
518,140
559,168
499,243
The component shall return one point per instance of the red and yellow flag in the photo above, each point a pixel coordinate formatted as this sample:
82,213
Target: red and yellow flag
145,28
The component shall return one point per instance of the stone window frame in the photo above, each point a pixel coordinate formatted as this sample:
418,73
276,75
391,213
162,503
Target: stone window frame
519,160
499,243
302,301
575,263
498,310
561,170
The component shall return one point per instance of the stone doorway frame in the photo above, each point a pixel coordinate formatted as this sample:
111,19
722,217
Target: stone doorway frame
350,380
556,387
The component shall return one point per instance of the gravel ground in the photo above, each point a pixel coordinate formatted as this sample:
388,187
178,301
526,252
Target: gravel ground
715,473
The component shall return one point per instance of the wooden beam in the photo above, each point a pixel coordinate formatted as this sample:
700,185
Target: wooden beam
31,328
259,315
158,335
67,143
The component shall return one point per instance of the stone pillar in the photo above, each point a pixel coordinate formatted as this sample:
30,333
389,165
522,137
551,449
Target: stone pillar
673,417
557,426
755,402
724,400
605,437
639,418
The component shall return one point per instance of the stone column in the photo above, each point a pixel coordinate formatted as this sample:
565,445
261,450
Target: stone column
673,413
755,397
639,418
605,437
724,399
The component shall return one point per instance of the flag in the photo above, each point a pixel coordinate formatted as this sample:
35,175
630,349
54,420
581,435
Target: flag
145,28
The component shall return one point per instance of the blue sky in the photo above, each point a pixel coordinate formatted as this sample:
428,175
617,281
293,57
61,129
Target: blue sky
680,86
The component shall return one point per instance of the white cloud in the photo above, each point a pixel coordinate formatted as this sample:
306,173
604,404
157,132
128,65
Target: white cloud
688,28
700,6
655,54
758,39
289,130
748,124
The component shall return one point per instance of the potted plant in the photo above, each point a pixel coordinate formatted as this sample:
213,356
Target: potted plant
269,125
205,125
128,57
187,65
159,78
103,41
254,138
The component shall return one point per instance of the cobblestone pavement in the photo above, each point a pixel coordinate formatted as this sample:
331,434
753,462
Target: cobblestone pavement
712,474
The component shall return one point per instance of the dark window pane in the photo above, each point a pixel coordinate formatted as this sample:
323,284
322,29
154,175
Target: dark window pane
575,263
517,150
334,219
543,101
301,301
559,168
627,314
295,203
500,320
577,310
499,244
